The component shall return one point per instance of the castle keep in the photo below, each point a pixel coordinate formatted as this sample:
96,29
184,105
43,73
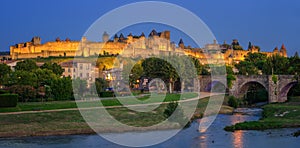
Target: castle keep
155,43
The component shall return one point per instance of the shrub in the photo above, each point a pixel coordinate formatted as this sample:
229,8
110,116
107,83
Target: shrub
8,100
3,91
233,102
170,109
107,94
26,92
274,79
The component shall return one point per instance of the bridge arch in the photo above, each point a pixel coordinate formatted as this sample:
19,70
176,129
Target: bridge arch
244,90
285,90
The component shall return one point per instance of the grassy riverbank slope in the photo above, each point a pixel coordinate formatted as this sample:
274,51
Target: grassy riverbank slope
64,122
278,115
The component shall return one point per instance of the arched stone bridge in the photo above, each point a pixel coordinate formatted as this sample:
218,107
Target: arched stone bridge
277,86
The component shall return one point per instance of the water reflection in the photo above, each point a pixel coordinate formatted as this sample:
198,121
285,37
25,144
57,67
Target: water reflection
203,140
238,138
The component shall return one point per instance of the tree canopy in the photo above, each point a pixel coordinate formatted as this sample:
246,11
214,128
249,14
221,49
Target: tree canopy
54,67
26,65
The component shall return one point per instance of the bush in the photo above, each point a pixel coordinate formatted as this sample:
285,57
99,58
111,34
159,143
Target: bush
26,93
233,102
174,113
4,91
8,100
107,94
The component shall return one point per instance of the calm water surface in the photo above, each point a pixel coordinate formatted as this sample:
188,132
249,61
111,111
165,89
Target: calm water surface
215,136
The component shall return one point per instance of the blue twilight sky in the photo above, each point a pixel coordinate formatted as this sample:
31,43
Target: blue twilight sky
267,23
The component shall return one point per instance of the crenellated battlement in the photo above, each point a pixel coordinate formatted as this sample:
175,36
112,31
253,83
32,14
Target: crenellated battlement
141,45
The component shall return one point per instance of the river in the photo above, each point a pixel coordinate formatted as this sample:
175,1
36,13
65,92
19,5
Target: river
215,136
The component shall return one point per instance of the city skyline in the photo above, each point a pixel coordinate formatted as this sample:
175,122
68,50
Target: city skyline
267,24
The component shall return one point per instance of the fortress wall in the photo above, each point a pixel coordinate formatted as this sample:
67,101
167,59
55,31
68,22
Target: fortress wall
60,53
99,48
142,45
28,55
57,46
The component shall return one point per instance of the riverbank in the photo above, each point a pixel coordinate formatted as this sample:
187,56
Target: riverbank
278,115
68,122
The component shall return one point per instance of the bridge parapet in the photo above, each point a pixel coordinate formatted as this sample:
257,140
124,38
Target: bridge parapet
277,86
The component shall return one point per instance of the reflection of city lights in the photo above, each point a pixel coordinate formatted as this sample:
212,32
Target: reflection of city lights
202,130
238,139
203,141
237,136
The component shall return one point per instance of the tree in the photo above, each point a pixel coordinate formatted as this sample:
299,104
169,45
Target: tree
159,68
44,76
247,68
232,101
230,76
253,63
26,65
54,67
23,78
294,65
101,85
4,73
199,68
296,55
258,59
249,45
276,64
61,88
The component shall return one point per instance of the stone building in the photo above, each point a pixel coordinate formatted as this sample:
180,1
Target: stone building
82,70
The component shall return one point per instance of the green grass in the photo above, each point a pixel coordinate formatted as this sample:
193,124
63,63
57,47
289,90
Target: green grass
63,121
279,115
33,106
31,124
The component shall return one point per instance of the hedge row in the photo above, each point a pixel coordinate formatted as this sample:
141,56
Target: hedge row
8,100
3,91
107,94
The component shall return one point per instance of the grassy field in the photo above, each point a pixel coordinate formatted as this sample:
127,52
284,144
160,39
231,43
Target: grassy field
279,115
34,106
71,122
